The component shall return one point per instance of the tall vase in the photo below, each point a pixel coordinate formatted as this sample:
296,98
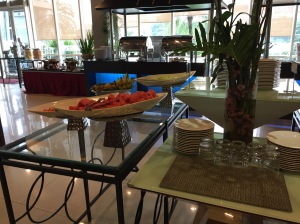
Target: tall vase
240,102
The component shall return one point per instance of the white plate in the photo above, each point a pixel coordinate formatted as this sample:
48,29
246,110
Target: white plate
288,139
165,79
40,110
133,108
194,124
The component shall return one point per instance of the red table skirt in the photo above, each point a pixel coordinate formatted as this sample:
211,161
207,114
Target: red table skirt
55,83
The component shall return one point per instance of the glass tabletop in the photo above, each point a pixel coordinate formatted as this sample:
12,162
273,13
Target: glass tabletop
107,142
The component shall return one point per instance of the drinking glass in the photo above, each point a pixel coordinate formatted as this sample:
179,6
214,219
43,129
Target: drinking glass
224,142
206,149
256,154
222,155
271,157
240,155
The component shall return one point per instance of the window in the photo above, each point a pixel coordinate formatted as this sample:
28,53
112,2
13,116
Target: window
68,15
157,24
186,22
281,31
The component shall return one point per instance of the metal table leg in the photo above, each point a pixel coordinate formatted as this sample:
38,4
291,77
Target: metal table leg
87,198
19,72
139,210
120,206
2,139
6,194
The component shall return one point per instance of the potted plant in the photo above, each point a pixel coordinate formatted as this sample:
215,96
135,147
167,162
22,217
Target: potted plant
86,46
238,45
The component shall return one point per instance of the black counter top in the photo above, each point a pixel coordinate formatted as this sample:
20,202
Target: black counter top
149,68
51,70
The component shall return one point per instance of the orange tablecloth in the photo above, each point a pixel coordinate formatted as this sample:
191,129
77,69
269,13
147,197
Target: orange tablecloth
55,83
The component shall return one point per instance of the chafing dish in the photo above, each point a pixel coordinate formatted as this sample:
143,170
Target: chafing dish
173,43
135,46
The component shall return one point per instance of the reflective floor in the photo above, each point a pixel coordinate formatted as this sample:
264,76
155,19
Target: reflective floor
18,122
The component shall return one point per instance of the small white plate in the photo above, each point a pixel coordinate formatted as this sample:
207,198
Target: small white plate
194,124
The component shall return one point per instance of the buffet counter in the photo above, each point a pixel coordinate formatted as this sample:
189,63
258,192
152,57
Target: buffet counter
57,83
95,69
209,101
150,176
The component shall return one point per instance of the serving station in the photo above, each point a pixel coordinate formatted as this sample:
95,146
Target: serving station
103,145
210,101
161,164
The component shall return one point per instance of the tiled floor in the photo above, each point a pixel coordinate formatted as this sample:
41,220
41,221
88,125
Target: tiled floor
17,122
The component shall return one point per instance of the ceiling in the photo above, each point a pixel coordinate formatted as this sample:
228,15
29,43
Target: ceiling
160,6
154,6
286,2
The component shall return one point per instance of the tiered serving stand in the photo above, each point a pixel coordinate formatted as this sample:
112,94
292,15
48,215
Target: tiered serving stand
116,131
167,82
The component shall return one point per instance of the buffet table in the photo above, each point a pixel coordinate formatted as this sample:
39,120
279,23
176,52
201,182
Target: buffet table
104,150
150,176
96,69
209,101
57,83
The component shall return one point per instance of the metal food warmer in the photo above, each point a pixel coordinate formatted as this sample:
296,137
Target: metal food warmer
135,48
173,43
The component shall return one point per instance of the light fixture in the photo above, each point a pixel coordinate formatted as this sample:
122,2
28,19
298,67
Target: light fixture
193,208
228,215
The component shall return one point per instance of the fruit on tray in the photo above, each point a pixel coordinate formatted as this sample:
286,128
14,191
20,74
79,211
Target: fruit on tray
113,100
50,109
124,82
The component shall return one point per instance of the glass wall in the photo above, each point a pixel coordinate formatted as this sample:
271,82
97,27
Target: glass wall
157,24
6,30
282,29
132,25
58,24
186,22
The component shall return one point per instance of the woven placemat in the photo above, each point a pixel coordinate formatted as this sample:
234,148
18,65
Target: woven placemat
253,186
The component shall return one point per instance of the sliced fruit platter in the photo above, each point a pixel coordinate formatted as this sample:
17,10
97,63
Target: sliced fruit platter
122,84
109,105
48,110
165,79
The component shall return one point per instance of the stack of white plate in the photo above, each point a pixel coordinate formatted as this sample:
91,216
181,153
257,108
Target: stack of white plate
220,81
268,74
288,143
188,132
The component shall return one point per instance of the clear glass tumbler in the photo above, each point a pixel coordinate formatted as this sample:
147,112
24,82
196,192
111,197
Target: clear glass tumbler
222,155
271,157
206,150
240,155
256,154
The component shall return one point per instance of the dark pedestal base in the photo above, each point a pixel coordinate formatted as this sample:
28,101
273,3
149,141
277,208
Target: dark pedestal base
116,134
